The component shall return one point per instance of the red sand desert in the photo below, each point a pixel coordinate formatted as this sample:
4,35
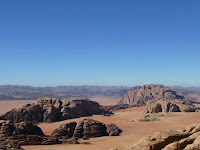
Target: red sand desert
132,131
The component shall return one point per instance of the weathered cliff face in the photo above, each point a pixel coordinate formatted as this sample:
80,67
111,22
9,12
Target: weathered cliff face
139,97
49,109
169,106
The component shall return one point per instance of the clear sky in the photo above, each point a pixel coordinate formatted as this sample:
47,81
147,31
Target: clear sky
100,42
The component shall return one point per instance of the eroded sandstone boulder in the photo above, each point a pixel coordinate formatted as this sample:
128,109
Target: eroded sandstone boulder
147,118
139,97
23,133
113,130
90,128
66,130
6,129
27,129
85,129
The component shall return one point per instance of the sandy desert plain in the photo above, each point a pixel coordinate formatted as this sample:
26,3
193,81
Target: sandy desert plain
132,131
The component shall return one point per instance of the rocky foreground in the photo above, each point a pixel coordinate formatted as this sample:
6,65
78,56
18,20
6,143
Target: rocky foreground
14,136
186,139
50,109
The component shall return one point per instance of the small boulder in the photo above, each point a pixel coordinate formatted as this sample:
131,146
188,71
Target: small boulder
90,128
113,130
66,130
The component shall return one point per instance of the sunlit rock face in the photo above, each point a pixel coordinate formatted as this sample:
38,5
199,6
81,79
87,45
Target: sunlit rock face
48,109
139,97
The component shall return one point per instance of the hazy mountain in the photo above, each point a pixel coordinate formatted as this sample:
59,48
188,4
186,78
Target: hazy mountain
17,92
20,92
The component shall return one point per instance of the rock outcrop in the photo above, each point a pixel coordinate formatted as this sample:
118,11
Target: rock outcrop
147,118
21,140
90,128
24,128
65,130
169,106
85,129
27,113
49,109
139,97
6,129
187,139
14,136
113,130
23,133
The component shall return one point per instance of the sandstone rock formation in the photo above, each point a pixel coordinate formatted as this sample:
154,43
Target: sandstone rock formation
139,97
6,129
187,139
65,130
147,118
27,113
49,109
113,130
85,129
24,128
90,128
14,136
169,106
23,133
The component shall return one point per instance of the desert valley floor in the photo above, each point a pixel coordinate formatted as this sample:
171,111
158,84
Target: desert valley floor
132,131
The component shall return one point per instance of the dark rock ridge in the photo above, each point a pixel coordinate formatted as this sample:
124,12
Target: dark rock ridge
187,139
50,109
85,129
139,97
169,106
112,108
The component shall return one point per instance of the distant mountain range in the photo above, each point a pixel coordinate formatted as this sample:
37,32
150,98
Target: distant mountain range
20,92
188,92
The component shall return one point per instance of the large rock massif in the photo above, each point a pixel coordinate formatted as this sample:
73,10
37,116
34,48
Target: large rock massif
186,139
14,136
49,109
139,97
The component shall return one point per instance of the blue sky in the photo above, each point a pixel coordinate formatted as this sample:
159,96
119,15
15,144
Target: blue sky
100,42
